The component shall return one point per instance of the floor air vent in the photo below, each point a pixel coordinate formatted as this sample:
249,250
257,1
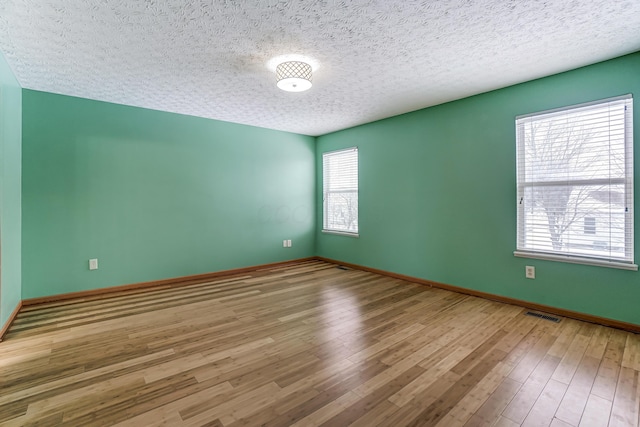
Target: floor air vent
342,267
543,316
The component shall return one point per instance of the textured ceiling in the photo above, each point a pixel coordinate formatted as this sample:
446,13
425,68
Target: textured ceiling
373,59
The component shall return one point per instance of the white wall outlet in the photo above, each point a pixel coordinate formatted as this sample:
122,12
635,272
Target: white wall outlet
530,272
93,264
284,243
289,243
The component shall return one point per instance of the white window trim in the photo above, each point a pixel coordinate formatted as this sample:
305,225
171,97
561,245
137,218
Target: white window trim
325,205
577,260
627,181
341,233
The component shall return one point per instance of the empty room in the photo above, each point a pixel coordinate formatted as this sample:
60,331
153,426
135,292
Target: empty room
306,213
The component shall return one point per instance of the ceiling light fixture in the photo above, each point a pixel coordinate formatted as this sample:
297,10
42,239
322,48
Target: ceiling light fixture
294,76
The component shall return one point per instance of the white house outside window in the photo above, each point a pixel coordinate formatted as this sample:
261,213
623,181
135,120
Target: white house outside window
575,184
340,191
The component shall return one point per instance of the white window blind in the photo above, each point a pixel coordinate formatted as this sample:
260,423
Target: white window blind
340,191
575,183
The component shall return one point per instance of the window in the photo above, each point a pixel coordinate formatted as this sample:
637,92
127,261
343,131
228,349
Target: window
575,169
340,191
589,225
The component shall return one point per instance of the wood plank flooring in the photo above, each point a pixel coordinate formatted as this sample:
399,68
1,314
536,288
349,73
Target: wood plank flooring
311,344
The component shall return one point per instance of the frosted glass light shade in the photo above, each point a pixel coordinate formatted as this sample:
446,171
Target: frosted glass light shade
294,76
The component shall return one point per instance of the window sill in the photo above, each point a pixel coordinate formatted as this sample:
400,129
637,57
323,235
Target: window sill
577,260
341,233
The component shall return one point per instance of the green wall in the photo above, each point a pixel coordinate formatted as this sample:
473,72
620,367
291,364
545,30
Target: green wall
10,192
437,195
155,195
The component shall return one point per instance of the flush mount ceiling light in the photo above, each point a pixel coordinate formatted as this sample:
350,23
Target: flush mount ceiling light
294,76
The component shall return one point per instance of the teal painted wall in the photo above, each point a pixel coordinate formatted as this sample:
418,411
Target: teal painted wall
10,191
155,195
437,195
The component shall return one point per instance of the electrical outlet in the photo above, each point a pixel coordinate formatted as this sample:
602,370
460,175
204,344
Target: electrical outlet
530,272
289,243
284,243
93,264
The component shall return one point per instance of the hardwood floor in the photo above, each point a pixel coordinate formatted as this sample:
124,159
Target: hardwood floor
311,344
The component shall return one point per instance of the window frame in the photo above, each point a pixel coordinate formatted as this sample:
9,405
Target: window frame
325,191
522,250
